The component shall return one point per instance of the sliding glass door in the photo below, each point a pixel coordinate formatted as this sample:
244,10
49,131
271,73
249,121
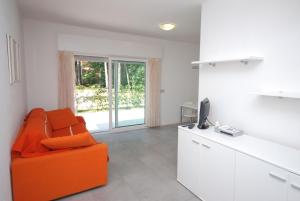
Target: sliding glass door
110,93
92,91
128,93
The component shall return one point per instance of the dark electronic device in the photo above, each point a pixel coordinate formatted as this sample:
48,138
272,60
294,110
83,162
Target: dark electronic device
204,111
191,126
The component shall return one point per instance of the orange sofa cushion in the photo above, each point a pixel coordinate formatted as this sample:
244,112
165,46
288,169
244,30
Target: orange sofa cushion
61,118
74,141
77,128
28,142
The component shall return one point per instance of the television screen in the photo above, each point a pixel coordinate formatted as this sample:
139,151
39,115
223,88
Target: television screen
203,114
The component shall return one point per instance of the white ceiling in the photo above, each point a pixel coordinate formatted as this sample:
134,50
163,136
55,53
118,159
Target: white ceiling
128,16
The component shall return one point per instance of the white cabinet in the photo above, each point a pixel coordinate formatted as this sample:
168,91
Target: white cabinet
188,162
217,167
259,181
216,172
206,168
294,188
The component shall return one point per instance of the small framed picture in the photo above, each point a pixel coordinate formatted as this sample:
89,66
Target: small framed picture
14,59
10,60
19,63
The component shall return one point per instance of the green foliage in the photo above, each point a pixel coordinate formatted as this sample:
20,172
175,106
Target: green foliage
93,98
93,73
93,95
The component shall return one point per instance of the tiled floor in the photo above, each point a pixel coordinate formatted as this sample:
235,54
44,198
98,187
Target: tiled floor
99,121
142,167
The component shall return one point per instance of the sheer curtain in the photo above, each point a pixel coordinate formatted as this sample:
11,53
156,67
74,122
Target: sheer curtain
153,104
66,80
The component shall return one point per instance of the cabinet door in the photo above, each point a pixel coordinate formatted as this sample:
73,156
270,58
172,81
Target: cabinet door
259,181
294,188
188,159
216,179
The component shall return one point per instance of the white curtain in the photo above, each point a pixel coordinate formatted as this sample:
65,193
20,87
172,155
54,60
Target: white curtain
153,104
66,80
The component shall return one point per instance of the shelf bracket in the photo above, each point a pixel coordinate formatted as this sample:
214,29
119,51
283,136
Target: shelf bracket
245,62
212,64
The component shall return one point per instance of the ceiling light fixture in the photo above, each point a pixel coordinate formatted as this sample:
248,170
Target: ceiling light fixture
167,26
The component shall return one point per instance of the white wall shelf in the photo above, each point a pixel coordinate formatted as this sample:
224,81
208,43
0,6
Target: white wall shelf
278,94
243,60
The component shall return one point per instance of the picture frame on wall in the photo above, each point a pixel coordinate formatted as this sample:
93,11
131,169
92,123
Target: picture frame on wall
19,63
9,55
14,59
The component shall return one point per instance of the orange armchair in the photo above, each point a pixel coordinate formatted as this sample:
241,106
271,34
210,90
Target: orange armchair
53,174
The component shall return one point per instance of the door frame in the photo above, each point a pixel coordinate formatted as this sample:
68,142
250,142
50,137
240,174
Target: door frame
128,59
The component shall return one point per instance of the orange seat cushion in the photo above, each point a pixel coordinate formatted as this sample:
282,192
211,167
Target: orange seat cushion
62,118
65,142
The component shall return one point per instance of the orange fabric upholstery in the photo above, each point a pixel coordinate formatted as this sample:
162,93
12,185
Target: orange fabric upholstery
56,175
65,142
48,129
28,143
40,173
19,143
62,118
81,119
37,113
77,128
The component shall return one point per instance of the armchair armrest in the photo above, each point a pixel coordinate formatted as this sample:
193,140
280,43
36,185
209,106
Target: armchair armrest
81,119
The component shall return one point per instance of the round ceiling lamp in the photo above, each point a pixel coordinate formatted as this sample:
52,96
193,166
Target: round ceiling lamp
167,26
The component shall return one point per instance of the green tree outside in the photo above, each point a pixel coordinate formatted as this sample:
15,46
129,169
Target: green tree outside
92,87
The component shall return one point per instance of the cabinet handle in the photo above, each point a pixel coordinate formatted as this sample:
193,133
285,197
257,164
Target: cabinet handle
195,141
277,177
206,146
295,186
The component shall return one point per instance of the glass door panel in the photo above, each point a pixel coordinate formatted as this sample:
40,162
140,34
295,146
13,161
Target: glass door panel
128,93
91,92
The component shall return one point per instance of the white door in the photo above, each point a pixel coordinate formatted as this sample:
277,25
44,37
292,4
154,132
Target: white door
259,181
294,188
216,179
128,93
188,159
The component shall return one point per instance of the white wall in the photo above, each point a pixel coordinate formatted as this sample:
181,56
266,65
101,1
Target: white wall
269,28
107,47
12,98
43,40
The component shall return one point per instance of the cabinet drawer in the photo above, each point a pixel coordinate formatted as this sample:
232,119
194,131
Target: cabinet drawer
188,159
294,187
258,180
216,173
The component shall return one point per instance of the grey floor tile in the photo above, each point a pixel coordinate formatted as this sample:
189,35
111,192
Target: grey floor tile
142,167
115,191
194,199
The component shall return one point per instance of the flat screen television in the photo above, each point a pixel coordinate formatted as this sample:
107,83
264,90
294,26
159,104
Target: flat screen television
203,114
